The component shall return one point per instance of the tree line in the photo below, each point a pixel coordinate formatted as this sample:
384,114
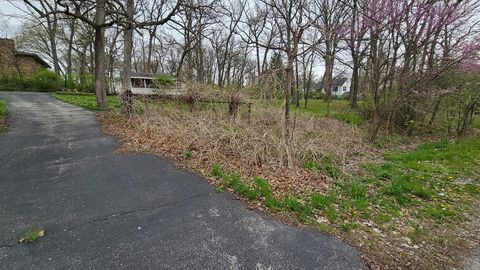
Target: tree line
405,57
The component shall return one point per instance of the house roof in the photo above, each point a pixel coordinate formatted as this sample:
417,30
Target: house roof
338,81
34,56
143,75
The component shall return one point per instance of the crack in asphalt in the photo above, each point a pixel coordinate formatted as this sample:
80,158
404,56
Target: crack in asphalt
139,210
116,216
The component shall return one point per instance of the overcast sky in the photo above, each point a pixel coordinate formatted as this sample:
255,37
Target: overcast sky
10,17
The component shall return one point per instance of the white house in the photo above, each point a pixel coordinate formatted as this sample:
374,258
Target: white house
144,84
340,86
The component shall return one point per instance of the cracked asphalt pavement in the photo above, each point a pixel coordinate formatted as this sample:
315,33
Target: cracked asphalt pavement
102,210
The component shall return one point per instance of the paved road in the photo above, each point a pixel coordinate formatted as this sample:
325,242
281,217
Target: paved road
472,262
107,211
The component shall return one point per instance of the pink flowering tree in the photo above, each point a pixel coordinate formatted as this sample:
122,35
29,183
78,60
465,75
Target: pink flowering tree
410,44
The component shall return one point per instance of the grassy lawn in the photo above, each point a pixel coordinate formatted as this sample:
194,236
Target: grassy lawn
476,122
338,109
88,101
3,114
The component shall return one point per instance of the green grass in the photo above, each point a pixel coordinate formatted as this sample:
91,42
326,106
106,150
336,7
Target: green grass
476,122
3,114
327,164
440,158
421,182
338,109
233,181
88,101
188,155
3,109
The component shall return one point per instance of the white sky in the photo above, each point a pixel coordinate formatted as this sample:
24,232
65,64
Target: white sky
10,17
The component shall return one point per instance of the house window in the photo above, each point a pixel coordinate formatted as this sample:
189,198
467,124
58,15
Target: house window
344,89
335,89
141,83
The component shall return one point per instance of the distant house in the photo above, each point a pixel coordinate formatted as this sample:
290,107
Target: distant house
340,86
16,63
144,84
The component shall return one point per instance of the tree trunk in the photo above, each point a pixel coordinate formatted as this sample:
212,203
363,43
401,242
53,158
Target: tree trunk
100,55
52,34
83,63
200,67
375,125
126,96
70,46
355,86
309,81
327,79
435,111
295,91
374,80
286,116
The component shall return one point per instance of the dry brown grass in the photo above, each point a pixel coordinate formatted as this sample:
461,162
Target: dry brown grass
250,145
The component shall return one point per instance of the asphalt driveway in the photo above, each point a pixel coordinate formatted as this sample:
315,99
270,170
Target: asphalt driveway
102,210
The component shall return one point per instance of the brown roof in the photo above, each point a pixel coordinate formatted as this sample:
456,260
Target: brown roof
34,56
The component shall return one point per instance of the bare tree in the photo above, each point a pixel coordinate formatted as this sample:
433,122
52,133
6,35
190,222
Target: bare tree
292,18
331,23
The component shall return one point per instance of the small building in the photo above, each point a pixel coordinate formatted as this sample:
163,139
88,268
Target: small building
16,63
145,84
340,86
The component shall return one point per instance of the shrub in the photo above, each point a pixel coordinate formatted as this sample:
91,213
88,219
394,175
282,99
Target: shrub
44,81
317,95
70,82
73,82
165,80
13,84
